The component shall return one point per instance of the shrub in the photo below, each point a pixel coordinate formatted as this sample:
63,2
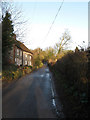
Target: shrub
71,74
14,72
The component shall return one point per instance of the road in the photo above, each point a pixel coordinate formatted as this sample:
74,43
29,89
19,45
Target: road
29,97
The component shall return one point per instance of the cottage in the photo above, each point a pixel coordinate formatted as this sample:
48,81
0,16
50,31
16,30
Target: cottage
21,55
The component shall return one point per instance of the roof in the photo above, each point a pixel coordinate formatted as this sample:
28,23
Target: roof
22,46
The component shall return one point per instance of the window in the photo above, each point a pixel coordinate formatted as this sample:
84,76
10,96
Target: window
25,62
30,57
26,55
20,62
30,63
20,53
15,59
17,51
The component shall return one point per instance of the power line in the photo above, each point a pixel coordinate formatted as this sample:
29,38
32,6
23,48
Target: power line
54,19
53,22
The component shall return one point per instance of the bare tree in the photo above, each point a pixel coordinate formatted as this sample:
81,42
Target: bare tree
17,17
64,42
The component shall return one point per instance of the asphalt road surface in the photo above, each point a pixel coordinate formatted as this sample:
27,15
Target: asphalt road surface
29,97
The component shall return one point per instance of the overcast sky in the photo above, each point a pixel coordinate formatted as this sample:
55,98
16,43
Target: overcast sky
72,16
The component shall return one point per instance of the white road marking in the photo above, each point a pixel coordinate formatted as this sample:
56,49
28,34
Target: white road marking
42,75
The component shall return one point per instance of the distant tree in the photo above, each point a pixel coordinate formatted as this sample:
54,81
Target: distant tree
7,37
50,54
38,57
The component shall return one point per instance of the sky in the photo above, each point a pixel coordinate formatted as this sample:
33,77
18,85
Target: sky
72,16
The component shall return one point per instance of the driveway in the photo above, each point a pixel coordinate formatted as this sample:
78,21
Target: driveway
29,97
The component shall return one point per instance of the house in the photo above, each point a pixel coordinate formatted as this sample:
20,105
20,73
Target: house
21,55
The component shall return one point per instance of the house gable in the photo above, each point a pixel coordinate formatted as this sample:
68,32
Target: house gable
21,55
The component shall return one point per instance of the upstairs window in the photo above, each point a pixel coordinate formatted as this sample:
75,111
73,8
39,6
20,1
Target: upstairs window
26,55
20,53
15,59
17,51
20,62
30,57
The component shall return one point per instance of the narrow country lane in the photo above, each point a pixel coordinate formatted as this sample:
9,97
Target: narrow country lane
29,97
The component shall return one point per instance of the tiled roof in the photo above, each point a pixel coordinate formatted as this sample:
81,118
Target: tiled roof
22,46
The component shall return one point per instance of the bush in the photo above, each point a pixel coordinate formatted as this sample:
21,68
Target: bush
30,66
73,66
